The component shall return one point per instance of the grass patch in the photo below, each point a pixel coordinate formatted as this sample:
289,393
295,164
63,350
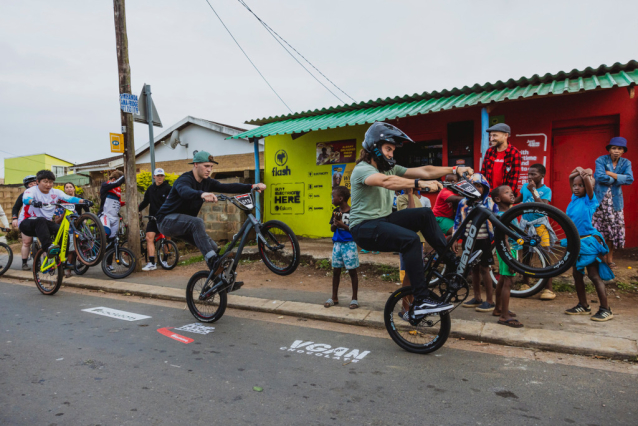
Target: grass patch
622,286
388,273
564,287
323,264
192,260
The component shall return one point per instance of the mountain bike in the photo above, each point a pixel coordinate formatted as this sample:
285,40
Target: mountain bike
278,247
87,237
118,262
522,286
521,250
6,255
166,250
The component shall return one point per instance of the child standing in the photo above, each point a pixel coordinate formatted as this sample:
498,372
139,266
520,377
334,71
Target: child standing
484,238
445,206
503,196
344,251
537,192
592,245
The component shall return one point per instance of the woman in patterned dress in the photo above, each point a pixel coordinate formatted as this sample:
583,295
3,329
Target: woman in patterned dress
612,172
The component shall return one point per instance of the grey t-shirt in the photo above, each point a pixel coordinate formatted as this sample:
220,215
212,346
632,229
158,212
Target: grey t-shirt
370,202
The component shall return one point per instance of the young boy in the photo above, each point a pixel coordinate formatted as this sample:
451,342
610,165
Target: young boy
592,244
537,192
503,196
344,251
483,242
445,206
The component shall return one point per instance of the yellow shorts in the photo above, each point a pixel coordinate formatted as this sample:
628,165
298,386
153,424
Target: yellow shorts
542,232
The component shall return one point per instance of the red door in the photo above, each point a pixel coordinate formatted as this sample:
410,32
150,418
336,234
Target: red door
575,147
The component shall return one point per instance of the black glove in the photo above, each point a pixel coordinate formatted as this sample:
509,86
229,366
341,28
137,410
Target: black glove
37,204
88,203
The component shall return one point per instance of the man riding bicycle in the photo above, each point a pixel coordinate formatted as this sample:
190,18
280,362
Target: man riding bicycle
375,227
154,196
178,215
35,219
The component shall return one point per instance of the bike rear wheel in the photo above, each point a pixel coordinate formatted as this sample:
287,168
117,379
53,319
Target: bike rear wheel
118,266
547,257
209,310
49,281
89,239
419,339
80,268
6,257
281,253
167,254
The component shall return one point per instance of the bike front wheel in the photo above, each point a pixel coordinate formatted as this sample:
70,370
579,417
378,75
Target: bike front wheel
205,310
167,254
426,337
119,265
6,257
555,244
89,239
280,252
49,280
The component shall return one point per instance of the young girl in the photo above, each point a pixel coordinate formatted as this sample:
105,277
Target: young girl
592,245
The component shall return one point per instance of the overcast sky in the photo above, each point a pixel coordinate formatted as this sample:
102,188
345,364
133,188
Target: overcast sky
58,65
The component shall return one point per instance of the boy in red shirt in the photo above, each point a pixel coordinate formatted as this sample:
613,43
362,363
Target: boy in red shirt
445,206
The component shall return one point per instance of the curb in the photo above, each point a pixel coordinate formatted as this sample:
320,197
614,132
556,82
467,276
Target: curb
550,340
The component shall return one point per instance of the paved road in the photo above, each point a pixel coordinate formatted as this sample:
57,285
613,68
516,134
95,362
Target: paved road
60,365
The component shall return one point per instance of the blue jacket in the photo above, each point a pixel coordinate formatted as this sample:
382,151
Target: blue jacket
604,182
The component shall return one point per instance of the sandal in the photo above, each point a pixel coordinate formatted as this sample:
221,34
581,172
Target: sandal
613,265
512,322
354,304
498,313
330,303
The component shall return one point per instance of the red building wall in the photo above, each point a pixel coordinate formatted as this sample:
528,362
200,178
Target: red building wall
543,116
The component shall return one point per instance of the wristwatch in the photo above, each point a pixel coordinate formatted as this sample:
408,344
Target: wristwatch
416,184
454,169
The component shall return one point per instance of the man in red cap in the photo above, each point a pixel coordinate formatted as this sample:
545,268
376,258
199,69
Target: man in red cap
502,163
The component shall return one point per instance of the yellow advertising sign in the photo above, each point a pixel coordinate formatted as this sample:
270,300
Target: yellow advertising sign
117,142
301,173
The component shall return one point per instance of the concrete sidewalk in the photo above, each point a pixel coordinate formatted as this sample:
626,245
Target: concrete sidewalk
616,341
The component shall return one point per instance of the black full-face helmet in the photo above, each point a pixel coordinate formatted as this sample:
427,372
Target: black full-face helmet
27,180
378,134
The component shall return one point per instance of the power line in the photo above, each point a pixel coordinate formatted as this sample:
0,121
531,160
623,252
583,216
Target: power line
246,55
276,36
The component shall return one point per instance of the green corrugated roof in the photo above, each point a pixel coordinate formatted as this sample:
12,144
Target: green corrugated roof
576,81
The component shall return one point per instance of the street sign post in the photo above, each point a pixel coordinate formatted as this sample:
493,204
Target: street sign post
117,142
129,103
148,114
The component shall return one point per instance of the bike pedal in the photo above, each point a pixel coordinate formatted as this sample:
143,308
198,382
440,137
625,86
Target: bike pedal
236,286
475,258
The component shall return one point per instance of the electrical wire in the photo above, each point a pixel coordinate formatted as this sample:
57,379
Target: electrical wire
276,36
246,55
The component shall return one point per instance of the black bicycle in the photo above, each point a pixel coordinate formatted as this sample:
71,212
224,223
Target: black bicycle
118,262
522,250
207,291
6,255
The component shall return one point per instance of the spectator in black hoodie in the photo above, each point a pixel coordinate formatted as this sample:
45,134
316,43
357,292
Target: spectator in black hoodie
178,216
154,196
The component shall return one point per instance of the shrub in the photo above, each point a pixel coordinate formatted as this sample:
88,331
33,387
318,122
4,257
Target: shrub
144,180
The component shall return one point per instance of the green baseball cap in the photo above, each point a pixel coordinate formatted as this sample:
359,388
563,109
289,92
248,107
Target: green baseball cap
203,157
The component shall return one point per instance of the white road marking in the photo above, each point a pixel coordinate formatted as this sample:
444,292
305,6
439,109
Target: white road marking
114,313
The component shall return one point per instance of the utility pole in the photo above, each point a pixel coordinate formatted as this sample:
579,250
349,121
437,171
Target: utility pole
124,74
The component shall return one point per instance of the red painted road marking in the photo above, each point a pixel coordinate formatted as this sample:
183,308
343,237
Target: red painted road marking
168,333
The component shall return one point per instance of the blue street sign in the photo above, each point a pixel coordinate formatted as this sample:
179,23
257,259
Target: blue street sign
129,103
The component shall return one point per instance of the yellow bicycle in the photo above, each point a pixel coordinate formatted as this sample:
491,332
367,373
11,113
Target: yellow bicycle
88,242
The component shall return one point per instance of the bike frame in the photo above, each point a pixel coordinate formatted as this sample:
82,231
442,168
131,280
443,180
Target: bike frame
62,238
478,215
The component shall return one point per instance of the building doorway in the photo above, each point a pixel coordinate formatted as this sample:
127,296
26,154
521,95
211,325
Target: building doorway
577,143
460,143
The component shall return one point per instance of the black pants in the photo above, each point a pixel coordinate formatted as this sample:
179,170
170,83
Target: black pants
397,232
41,228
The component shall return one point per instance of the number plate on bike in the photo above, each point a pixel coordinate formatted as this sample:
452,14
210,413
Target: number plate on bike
246,200
70,207
466,188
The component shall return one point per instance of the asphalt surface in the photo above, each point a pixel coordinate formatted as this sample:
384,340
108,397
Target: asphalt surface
61,365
